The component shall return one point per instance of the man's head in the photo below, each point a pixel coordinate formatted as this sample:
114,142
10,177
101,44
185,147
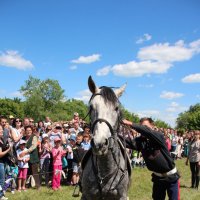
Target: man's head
3,121
26,122
47,119
147,121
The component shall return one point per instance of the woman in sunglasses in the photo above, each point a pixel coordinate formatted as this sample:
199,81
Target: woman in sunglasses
17,131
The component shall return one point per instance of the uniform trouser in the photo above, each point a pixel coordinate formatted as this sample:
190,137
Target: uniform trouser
195,170
161,187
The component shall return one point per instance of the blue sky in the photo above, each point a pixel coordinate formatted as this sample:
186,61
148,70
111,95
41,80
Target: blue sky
153,46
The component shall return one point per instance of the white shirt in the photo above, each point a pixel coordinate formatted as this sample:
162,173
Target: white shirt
21,163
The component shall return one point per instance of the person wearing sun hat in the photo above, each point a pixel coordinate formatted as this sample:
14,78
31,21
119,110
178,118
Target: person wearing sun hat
57,154
23,165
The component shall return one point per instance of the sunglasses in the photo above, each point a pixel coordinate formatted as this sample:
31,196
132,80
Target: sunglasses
18,120
31,121
59,128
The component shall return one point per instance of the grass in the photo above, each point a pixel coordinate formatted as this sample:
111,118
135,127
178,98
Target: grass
140,188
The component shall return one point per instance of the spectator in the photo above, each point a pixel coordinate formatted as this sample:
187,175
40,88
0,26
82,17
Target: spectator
26,122
45,155
17,131
4,149
57,154
194,158
47,122
23,166
56,133
40,128
86,142
31,145
6,130
11,118
75,118
76,129
70,158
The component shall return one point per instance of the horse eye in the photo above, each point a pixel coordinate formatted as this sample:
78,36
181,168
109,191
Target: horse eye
117,108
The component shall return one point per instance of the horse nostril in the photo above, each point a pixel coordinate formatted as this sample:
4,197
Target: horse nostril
106,143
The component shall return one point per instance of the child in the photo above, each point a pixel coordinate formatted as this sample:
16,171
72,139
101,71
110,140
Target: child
78,153
86,141
23,165
57,153
44,151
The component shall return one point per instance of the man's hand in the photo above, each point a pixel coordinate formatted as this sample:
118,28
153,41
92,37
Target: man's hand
126,122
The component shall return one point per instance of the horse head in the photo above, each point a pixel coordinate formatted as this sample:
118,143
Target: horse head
105,115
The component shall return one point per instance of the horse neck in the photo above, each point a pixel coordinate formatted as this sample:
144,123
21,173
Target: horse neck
106,164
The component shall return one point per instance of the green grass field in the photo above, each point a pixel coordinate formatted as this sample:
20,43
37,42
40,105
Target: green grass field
140,188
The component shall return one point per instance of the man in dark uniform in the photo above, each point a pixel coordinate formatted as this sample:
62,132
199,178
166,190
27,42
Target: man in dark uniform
154,150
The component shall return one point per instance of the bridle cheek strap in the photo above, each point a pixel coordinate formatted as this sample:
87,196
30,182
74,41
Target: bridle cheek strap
100,120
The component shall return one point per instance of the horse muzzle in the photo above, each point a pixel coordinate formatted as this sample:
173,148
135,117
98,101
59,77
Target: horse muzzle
100,148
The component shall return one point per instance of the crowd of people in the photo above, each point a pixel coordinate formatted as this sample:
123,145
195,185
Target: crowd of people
32,154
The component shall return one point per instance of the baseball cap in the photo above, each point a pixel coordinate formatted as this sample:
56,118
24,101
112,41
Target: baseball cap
44,135
57,139
11,117
73,137
76,114
22,142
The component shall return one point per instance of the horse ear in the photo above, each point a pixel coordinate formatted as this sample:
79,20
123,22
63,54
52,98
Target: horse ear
92,86
119,91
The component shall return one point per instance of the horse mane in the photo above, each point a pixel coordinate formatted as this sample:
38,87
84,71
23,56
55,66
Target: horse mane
108,95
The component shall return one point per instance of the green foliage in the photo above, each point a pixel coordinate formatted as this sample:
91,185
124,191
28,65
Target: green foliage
11,107
130,116
189,120
42,97
161,124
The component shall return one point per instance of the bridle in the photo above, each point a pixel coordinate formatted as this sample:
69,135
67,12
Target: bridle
113,130
112,139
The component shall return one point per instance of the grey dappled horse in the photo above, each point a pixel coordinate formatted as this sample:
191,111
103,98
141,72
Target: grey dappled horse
106,172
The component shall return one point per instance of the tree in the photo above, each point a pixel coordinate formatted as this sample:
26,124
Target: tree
10,107
161,124
41,96
189,120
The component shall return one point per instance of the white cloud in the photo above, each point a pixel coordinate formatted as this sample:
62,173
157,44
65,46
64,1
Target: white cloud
144,38
175,107
73,67
164,52
148,113
103,71
87,59
192,78
170,95
14,59
133,69
146,85
84,95
156,59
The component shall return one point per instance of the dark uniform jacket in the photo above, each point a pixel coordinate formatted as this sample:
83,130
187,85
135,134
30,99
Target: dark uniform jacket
154,151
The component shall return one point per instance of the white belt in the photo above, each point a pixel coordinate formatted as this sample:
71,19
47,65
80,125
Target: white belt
173,171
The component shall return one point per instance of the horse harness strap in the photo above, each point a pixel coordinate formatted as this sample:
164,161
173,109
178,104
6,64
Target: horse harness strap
102,181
